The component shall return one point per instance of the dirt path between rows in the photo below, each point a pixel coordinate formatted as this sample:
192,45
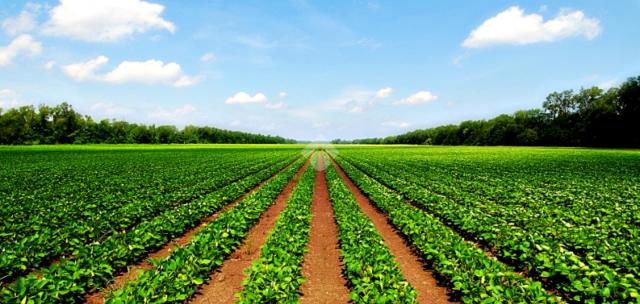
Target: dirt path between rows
226,281
133,271
410,265
321,268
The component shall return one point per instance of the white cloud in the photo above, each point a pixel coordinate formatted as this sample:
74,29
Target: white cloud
149,72
512,26
352,101
50,65
83,71
99,20
417,98
396,124
23,23
163,113
186,81
21,44
208,57
283,94
274,106
244,98
384,92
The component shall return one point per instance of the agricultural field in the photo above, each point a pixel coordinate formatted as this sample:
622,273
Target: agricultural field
318,224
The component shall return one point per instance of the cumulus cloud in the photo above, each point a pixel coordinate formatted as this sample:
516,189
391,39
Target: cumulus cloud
512,26
147,72
99,20
283,94
23,23
85,70
150,72
384,92
20,45
245,98
396,124
417,98
208,57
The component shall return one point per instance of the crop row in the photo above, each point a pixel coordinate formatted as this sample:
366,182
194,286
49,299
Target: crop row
576,279
177,277
39,247
369,266
595,225
95,265
276,276
474,276
88,186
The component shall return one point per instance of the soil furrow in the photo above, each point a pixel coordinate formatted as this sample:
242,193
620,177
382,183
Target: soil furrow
133,271
470,238
410,263
321,268
226,281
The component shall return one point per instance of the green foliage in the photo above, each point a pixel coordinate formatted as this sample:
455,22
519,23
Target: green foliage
176,278
276,276
95,264
372,273
557,214
474,276
44,220
61,124
591,117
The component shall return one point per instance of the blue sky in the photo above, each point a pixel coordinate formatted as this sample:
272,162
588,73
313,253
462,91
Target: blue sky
310,69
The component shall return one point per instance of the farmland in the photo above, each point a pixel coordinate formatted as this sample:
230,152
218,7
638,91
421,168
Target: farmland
315,224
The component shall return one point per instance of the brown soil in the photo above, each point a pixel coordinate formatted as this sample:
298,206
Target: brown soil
133,271
321,267
225,282
410,265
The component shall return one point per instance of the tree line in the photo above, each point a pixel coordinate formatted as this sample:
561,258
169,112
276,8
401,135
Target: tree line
61,124
590,117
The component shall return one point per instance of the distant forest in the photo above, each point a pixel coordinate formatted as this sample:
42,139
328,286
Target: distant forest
591,117
61,124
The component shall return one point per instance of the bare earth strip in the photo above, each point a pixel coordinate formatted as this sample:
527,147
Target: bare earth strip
133,271
321,267
410,265
225,282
